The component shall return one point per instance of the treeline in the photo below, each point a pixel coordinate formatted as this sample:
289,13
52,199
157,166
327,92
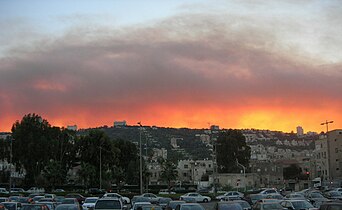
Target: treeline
47,154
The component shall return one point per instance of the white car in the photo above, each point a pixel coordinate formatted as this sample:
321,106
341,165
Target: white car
125,200
231,195
196,197
89,203
3,191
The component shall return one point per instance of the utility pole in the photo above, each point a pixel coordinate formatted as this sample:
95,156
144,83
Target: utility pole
244,172
140,153
328,144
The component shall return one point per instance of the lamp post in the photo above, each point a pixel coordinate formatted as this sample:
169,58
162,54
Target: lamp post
100,166
244,172
140,154
326,123
10,165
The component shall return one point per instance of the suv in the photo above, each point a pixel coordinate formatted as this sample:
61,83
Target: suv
108,203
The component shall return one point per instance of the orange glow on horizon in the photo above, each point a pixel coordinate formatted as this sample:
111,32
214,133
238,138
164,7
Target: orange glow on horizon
197,117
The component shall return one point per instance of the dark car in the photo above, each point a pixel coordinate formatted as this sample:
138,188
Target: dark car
163,202
191,206
34,207
331,206
80,198
296,204
227,205
173,204
12,205
67,207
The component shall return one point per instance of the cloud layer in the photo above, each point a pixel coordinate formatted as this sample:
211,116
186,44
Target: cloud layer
188,70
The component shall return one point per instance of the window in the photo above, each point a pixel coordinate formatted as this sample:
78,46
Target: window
337,169
186,166
336,150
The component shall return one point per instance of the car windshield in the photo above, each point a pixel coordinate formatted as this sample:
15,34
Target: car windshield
31,207
316,195
226,206
90,200
191,207
10,206
272,206
66,207
108,204
302,205
256,197
244,204
173,205
151,208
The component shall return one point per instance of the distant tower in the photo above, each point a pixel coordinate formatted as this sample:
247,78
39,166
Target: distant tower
300,131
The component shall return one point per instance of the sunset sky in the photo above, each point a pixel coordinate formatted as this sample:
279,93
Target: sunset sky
173,63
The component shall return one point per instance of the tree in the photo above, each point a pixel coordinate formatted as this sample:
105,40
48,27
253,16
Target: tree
94,147
36,143
32,145
292,172
54,173
169,173
231,147
87,174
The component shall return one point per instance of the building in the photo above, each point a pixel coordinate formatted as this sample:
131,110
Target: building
300,131
174,142
72,127
119,124
159,153
194,171
328,156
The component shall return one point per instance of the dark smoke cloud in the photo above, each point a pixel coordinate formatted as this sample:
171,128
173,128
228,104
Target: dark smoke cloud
190,59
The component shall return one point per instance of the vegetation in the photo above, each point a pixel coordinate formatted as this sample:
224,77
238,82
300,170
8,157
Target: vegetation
231,147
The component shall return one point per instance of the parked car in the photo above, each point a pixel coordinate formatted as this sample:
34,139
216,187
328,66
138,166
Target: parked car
297,205
191,206
316,198
268,191
4,199
12,205
89,203
140,204
80,198
68,207
231,195
108,203
50,205
17,190
24,200
227,205
34,207
173,204
198,197
253,198
35,190
152,197
166,192
3,191
331,206
295,196
124,199
2,206
275,196
244,204
267,206
138,198
333,195
162,202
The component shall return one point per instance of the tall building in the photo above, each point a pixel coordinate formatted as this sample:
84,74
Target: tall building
300,131
328,156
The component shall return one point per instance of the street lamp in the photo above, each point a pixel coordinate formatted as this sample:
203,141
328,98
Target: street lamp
141,180
10,164
244,172
326,123
100,165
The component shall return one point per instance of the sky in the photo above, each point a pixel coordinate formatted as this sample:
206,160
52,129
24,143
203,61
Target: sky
193,63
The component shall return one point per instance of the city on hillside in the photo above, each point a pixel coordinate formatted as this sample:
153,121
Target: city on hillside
273,158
